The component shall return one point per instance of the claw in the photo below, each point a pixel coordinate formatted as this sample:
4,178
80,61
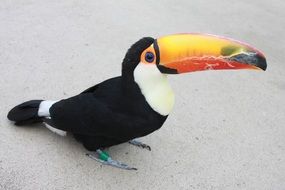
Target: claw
139,144
105,159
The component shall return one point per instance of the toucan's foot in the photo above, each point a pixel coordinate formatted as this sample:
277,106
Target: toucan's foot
104,158
139,144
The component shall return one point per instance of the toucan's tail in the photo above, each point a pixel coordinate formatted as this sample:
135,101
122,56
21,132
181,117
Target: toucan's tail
26,113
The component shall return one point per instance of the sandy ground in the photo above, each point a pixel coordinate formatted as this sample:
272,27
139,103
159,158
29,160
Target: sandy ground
227,128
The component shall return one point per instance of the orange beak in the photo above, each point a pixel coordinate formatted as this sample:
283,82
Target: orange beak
181,53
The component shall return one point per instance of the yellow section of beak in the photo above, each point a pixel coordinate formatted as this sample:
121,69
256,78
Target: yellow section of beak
192,52
184,45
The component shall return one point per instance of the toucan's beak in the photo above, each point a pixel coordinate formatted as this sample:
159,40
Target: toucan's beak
181,53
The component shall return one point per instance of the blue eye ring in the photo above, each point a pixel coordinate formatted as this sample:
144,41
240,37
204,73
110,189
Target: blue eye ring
149,57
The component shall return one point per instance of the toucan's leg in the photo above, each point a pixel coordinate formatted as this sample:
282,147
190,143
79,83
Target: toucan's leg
139,144
104,158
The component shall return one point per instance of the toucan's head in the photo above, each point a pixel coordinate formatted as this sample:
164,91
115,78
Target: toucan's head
182,53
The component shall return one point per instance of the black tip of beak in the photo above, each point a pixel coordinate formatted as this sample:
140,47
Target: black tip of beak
255,59
261,62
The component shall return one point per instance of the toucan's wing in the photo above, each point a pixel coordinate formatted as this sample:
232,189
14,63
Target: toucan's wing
85,114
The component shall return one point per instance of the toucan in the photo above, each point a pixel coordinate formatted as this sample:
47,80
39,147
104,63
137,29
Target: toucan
139,101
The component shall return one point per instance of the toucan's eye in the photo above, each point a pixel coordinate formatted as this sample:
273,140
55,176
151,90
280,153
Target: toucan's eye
149,57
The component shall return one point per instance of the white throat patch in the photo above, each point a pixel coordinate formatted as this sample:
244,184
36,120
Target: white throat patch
155,88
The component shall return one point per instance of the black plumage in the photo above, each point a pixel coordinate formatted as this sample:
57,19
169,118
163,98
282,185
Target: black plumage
106,115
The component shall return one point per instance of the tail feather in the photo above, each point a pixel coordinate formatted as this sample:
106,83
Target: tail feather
25,113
